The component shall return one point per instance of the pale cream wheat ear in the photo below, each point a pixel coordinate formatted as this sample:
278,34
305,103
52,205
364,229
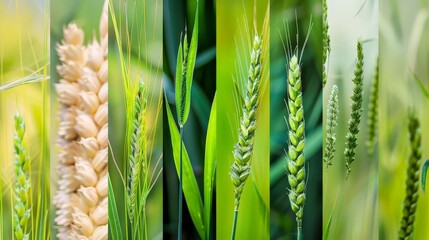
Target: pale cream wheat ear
81,199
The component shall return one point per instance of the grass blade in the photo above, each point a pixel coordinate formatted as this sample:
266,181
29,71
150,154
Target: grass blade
115,230
210,167
190,187
424,174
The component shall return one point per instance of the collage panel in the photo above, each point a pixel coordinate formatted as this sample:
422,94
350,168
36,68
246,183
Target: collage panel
24,120
79,143
403,113
135,119
189,82
296,120
243,123
350,159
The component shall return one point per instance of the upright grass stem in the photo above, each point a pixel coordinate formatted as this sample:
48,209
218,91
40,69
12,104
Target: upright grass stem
234,224
180,187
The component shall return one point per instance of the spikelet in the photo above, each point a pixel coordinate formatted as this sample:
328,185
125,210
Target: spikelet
81,199
331,124
21,213
372,113
326,41
356,115
412,182
243,150
295,153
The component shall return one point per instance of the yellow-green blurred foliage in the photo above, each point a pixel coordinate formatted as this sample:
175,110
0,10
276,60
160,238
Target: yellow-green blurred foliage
24,51
404,49
353,202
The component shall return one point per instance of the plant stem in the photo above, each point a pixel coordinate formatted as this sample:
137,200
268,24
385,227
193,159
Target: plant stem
234,224
299,234
179,232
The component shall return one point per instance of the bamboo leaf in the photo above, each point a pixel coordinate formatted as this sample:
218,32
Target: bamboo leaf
114,222
424,174
210,167
190,186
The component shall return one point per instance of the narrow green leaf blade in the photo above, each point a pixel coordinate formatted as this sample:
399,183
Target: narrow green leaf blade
114,221
210,167
179,82
424,174
192,56
190,186
328,227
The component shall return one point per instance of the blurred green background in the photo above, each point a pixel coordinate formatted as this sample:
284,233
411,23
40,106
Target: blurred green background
296,14
178,14
236,23
404,49
23,52
353,203
140,32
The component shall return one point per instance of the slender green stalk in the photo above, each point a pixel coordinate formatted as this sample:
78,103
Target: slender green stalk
372,113
412,182
180,187
22,185
331,124
295,154
357,109
234,224
243,150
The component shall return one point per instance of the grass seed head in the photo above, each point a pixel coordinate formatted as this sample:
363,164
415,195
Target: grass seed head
331,125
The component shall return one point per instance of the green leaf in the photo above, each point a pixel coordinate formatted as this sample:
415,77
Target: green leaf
424,174
191,57
210,167
328,227
114,221
421,85
179,82
190,187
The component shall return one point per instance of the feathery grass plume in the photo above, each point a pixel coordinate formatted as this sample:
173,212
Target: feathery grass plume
295,154
82,196
326,42
22,183
357,109
243,150
412,182
137,152
373,112
331,124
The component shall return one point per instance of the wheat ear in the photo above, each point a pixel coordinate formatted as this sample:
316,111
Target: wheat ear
295,154
82,196
412,182
22,183
138,147
357,109
326,42
243,149
331,125
372,113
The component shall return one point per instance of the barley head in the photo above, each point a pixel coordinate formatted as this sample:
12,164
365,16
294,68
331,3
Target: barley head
412,182
295,154
138,147
243,150
355,118
372,113
22,183
331,124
